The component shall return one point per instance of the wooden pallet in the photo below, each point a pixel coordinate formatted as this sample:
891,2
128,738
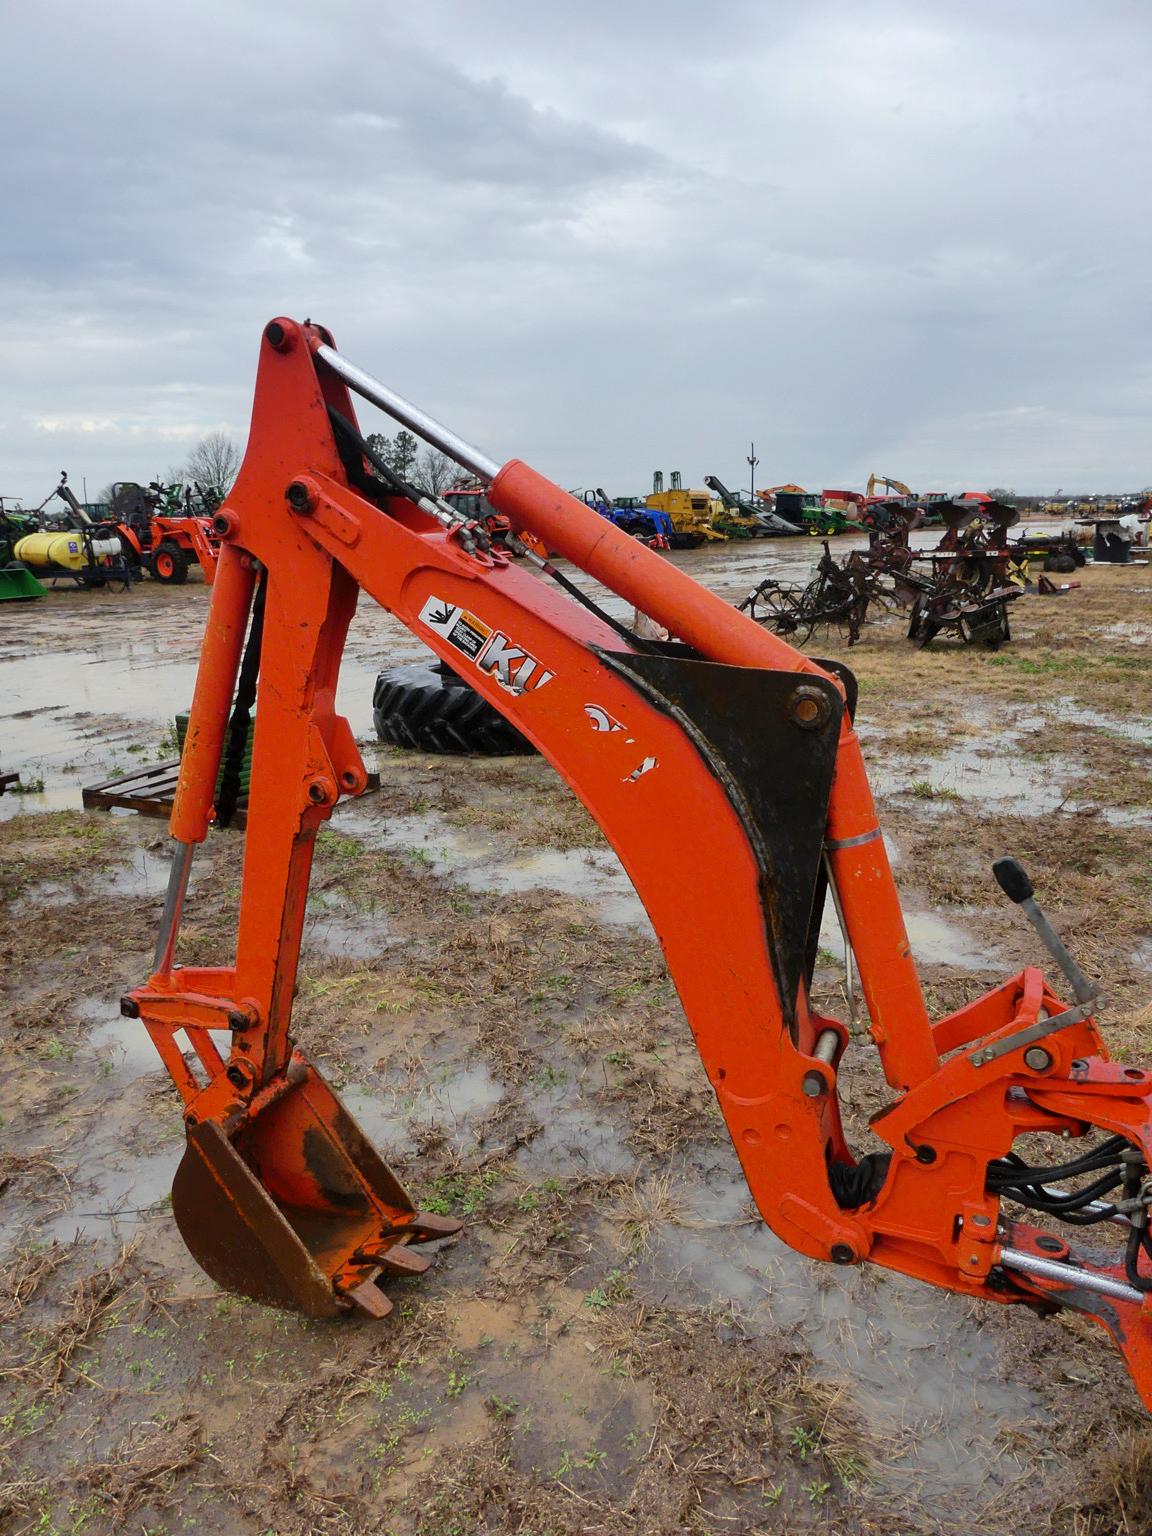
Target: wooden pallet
8,781
152,790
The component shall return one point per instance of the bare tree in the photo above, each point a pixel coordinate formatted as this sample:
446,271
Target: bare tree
437,471
399,453
215,462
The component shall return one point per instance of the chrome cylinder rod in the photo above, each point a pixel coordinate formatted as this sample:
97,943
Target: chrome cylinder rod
173,906
1068,1274
409,415
849,982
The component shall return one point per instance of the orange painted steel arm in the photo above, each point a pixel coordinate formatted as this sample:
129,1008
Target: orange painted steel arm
212,698
620,727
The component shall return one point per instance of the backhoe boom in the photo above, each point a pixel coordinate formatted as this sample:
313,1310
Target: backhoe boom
279,1194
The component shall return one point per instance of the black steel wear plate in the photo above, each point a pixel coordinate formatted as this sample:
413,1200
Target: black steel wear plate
776,772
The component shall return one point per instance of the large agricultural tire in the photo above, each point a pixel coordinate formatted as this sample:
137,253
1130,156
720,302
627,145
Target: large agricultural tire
169,564
1062,562
429,709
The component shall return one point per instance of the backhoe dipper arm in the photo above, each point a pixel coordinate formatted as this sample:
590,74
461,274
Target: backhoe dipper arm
279,1195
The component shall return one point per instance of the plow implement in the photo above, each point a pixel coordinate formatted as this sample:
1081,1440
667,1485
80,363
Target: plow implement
280,1197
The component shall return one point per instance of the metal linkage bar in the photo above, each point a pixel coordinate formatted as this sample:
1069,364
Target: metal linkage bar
425,426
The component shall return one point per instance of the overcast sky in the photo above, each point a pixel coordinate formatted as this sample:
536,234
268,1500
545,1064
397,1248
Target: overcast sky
608,237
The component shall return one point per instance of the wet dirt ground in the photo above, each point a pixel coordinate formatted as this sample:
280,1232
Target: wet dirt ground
616,1342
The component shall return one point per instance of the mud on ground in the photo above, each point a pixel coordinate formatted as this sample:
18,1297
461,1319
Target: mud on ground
615,1343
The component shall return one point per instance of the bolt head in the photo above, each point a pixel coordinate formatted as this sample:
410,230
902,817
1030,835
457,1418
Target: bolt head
813,1084
809,708
299,496
1037,1059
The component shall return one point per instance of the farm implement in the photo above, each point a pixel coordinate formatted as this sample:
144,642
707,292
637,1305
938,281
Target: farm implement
282,1198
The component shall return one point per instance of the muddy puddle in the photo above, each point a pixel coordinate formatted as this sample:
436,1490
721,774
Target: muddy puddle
145,874
1029,767
336,927
573,1140
924,1370
483,863
451,1098
595,876
119,1048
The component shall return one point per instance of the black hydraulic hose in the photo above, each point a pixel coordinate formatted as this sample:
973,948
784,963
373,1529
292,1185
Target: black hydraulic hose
228,793
348,438
1012,1178
1013,1169
1137,1240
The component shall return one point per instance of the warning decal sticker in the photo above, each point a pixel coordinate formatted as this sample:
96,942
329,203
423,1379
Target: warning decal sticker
459,627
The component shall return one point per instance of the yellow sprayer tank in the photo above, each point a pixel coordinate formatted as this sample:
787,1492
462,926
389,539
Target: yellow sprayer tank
64,550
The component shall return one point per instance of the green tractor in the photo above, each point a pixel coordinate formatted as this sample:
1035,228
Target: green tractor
809,511
17,583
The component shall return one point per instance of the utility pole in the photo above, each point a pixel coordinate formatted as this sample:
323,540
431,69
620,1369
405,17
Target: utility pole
752,462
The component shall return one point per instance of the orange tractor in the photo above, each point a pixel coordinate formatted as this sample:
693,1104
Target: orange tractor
160,539
282,1198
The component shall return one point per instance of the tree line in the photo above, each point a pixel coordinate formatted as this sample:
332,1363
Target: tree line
426,468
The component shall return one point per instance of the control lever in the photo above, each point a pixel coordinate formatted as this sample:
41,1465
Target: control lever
1013,880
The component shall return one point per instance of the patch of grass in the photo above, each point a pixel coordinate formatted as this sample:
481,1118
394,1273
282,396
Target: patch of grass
613,1289
460,1193
924,789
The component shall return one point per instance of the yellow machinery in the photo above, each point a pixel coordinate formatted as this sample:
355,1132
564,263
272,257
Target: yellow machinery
690,512
42,550
895,487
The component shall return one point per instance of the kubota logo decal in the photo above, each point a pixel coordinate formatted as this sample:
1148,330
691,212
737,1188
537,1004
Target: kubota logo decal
493,651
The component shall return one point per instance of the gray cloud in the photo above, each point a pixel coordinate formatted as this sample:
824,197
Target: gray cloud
874,236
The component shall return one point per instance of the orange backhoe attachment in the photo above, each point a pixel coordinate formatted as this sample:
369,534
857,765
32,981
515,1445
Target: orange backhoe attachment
280,1197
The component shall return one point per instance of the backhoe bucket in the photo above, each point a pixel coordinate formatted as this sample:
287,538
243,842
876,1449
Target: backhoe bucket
17,584
293,1207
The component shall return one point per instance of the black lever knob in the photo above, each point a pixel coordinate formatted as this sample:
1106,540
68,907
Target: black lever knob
1013,880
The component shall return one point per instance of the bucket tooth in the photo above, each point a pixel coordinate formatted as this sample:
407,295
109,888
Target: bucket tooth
400,1260
427,1227
368,1298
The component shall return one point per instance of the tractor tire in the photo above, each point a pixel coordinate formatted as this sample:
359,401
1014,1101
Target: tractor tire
425,707
169,564
1062,562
